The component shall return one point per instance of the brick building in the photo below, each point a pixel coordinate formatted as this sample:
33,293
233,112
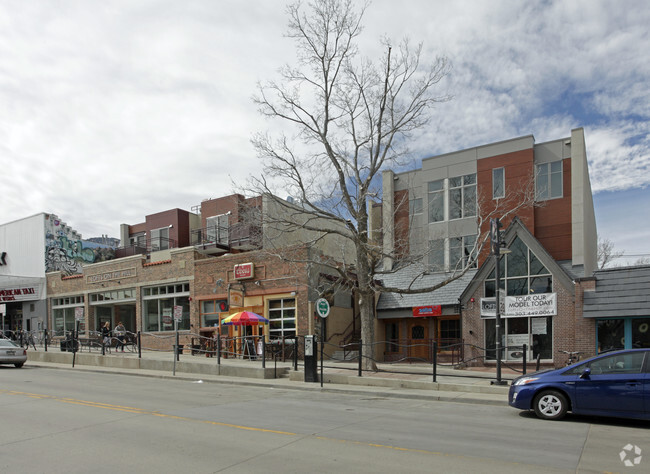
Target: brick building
210,265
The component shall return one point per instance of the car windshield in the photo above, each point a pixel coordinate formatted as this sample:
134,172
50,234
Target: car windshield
7,343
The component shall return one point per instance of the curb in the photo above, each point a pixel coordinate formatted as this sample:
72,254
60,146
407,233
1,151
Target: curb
457,396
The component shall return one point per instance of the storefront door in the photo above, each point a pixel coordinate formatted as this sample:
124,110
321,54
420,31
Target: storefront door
418,339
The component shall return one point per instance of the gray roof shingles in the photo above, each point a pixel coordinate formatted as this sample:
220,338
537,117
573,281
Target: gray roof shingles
445,295
619,292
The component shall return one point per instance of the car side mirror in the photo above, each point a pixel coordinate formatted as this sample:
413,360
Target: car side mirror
585,373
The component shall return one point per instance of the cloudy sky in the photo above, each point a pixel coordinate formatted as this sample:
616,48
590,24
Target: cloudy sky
112,110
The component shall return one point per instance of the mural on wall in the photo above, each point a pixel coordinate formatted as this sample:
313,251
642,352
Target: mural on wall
66,252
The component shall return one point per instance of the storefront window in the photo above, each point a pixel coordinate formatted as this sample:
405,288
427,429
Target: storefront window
158,307
63,314
210,311
611,334
641,333
536,333
282,318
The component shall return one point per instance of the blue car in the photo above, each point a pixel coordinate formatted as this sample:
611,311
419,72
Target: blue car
611,384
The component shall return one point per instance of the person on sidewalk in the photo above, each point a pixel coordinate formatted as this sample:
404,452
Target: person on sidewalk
120,333
106,334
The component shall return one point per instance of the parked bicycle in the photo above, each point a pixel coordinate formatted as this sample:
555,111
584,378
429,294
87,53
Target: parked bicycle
572,356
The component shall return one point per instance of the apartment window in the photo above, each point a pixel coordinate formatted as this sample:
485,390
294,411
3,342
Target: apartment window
160,239
218,228
462,252
498,183
549,180
436,202
282,318
437,255
462,196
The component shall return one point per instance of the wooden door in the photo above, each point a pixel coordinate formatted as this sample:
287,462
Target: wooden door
418,339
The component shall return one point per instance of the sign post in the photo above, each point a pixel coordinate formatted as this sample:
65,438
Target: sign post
178,317
323,310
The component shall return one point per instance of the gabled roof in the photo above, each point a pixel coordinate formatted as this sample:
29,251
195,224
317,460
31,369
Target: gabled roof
619,292
518,229
445,295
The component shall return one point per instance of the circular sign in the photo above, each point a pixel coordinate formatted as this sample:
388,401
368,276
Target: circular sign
322,307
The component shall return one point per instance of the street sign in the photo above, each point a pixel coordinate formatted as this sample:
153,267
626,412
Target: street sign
322,307
79,313
178,313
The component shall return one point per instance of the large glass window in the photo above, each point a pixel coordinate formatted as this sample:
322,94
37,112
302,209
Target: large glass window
158,307
218,228
160,239
536,333
462,196
623,333
211,310
282,318
462,252
522,273
498,183
436,200
549,180
63,314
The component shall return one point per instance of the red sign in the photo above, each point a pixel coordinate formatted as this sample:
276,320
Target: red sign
244,271
423,311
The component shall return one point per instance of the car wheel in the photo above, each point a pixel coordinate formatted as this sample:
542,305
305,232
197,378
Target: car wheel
550,405
19,365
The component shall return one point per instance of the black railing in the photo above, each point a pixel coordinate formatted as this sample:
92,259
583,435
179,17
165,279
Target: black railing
145,247
241,235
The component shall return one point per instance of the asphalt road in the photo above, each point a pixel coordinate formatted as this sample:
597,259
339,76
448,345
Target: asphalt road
67,421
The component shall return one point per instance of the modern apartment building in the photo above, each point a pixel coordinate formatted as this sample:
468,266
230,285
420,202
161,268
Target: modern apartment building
435,220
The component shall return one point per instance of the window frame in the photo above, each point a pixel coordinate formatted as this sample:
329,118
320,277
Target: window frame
498,177
463,188
545,172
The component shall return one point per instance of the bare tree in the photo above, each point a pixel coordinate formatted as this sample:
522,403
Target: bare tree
350,119
606,253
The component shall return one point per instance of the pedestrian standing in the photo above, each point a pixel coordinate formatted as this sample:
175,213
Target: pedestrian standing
120,333
106,333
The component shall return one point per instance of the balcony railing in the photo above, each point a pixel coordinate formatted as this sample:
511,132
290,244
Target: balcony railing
215,239
145,247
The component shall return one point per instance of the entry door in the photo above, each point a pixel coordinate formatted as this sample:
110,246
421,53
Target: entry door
418,339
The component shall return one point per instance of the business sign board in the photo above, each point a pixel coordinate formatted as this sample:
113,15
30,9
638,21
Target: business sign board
424,311
244,271
543,304
25,293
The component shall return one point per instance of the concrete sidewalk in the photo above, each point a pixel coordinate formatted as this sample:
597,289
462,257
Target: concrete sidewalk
413,381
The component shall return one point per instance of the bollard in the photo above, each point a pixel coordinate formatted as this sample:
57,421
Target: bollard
45,338
139,346
264,354
219,350
537,364
295,353
524,361
435,360
360,357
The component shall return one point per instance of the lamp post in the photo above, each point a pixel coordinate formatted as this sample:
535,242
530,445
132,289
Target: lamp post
497,251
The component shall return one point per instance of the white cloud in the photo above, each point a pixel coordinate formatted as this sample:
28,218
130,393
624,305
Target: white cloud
114,110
